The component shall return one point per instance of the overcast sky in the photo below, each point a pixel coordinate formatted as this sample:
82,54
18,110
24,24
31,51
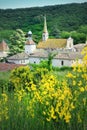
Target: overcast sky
34,3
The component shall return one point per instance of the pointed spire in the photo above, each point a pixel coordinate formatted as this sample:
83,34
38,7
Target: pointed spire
45,32
45,25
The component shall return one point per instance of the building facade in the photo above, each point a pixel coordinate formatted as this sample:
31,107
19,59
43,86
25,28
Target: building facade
66,52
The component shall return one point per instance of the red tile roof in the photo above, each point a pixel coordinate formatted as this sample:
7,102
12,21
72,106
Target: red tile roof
30,42
4,46
7,66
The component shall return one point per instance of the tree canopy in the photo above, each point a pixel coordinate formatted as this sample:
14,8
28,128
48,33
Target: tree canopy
17,40
66,17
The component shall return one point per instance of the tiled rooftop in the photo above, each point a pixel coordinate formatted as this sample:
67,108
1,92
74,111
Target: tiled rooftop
7,66
66,55
19,56
4,46
30,42
52,43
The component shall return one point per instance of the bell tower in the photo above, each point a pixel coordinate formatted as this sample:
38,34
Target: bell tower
30,45
69,43
45,34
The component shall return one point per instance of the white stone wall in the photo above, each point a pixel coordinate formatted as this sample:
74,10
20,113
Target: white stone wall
55,62
30,48
26,61
35,60
69,43
61,62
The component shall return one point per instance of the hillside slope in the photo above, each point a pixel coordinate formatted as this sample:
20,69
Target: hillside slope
64,17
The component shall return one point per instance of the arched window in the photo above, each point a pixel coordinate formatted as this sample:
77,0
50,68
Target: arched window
62,62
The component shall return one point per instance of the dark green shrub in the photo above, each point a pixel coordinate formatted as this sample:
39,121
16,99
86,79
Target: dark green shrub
3,85
63,68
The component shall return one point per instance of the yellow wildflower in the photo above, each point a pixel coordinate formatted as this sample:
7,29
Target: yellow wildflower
80,83
74,82
67,117
69,75
82,89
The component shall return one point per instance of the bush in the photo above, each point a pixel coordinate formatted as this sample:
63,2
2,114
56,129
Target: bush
63,68
3,85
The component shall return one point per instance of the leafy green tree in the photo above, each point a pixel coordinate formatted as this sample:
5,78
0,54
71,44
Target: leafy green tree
78,37
83,29
65,34
17,40
4,35
55,32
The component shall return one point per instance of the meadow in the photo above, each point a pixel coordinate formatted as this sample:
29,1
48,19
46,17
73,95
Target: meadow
43,99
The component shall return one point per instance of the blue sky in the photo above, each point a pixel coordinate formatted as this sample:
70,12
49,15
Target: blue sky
34,3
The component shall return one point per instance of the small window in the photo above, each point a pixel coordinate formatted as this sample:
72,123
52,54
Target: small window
22,61
62,62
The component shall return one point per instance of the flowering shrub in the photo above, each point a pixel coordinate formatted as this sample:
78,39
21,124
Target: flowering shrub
22,76
78,85
52,99
42,95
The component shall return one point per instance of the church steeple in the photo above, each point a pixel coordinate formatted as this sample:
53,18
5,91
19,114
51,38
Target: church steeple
45,32
45,25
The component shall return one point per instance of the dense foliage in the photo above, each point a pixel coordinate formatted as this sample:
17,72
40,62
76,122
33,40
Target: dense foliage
17,41
65,17
69,17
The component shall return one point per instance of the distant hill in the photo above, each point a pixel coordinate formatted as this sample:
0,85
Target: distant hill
65,17
68,17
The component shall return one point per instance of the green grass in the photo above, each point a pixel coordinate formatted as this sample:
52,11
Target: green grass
4,79
5,75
